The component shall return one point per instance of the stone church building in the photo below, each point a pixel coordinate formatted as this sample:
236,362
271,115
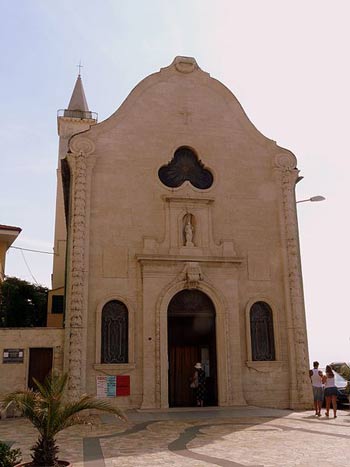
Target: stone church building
176,242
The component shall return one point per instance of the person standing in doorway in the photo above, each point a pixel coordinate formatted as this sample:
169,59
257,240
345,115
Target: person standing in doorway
198,380
330,391
316,381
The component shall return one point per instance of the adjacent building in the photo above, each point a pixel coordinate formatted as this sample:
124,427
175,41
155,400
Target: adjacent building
8,235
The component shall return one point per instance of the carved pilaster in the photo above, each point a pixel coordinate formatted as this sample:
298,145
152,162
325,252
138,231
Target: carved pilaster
298,349
81,162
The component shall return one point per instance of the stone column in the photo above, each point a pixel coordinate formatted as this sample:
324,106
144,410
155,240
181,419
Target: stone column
80,162
300,388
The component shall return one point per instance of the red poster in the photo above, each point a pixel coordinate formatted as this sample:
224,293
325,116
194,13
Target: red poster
123,385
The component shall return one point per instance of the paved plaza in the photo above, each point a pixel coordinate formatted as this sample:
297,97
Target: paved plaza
228,437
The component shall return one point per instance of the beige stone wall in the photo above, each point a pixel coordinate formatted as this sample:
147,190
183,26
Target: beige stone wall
14,376
54,320
131,249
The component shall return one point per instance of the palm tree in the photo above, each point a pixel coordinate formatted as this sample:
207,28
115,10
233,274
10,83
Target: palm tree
49,414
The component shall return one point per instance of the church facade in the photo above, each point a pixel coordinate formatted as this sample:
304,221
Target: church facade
176,242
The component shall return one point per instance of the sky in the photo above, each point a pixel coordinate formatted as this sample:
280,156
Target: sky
287,62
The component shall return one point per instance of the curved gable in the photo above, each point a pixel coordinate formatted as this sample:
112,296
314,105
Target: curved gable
182,94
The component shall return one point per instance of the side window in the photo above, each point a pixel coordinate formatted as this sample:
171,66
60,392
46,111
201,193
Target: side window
114,333
261,331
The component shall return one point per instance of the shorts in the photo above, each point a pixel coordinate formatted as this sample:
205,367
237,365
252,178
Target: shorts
318,393
331,391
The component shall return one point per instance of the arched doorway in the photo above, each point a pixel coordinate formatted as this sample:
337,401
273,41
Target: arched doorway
191,339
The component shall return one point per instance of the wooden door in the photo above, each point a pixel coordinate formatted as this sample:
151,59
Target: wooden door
40,365
181,368
191,339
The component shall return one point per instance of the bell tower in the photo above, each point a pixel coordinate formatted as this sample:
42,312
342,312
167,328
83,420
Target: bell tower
74,119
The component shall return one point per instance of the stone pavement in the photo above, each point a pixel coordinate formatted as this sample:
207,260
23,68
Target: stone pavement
228,437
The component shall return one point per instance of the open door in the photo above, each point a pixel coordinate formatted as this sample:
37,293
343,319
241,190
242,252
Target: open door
191,339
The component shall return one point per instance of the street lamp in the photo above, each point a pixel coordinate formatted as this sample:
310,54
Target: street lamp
313,198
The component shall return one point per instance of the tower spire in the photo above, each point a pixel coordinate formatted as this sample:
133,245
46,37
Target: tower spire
78,100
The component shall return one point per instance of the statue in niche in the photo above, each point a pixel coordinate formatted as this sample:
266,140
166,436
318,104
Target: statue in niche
188,230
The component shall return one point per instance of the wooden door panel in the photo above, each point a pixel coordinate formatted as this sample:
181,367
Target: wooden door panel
40,365
182,361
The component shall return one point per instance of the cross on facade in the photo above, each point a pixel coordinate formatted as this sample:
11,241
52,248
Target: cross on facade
185,114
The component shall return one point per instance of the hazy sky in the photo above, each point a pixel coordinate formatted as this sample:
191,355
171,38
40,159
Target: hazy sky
285,61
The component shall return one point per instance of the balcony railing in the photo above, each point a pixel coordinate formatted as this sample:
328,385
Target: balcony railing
77,114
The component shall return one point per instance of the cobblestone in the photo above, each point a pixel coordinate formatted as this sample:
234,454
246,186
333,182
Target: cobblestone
248,437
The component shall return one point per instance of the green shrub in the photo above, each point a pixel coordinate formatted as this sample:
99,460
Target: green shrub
9,457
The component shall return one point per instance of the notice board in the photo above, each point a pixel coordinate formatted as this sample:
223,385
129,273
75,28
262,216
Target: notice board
112,386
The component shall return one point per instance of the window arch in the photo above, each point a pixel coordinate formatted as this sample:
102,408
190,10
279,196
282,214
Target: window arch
261,332
114,332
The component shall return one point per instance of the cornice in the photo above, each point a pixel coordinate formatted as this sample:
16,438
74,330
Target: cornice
152,258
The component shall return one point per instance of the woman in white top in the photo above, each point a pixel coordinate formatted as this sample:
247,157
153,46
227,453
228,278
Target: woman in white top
330,391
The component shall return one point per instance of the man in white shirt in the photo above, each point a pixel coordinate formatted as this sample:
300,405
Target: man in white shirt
316,381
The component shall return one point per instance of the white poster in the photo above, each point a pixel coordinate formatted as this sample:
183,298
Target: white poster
101,386
106,386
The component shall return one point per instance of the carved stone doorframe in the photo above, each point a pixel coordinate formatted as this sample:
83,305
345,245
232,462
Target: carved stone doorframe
223,354
162,277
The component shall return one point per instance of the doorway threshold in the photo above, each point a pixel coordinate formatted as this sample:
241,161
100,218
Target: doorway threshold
189,409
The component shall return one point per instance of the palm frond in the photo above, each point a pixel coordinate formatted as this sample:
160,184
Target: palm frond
49,395
49,414
69,412
53,386
28,403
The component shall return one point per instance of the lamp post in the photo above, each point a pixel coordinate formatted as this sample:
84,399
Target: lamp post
313,198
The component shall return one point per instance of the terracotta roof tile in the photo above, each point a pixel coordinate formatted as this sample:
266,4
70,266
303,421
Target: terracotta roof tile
10,227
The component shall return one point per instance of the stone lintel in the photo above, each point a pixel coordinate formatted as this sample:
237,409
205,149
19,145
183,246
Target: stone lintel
266,366
115,367
144,259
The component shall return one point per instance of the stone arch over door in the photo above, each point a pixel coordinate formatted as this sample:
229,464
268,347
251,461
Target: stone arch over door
191,339
229,392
